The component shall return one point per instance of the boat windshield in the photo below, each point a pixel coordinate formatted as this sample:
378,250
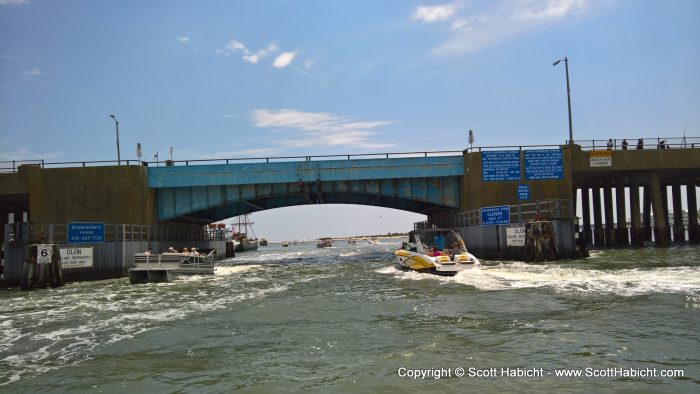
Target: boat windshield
427,237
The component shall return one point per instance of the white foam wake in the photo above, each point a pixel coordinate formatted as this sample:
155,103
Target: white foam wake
625,282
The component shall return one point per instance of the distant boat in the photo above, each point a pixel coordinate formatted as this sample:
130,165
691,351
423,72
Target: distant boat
324,243
285,244
373,240
244,242
352,241
263,242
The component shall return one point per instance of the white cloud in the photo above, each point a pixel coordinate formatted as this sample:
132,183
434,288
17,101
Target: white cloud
319,128
248,55
437,13
24,154
284,59
13,2
183,38
251,58
234,45
34,72
308,64
498,21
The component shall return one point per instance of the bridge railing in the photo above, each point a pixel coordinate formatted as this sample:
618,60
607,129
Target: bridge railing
13,165
646,143
543,209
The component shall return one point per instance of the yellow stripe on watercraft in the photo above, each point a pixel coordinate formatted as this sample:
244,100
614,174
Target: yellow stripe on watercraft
417,263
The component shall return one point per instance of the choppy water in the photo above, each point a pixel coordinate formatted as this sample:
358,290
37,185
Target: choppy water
344,319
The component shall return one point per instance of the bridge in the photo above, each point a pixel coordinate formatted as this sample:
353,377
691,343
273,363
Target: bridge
212,192
445,186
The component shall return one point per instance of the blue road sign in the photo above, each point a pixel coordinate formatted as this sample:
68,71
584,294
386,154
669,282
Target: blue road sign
543,164
523,192
86,232
495,215
500,165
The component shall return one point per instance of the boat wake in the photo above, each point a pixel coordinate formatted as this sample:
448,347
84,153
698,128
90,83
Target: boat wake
562,279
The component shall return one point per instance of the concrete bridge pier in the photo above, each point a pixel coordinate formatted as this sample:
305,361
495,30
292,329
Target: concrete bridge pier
647,214
678,227
621,233
662,233
586,212
598,233
637,231
693,228
609,219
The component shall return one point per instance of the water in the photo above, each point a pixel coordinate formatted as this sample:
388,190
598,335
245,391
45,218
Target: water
344,319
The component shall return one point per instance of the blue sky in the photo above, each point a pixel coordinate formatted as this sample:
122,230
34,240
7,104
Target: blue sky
278,78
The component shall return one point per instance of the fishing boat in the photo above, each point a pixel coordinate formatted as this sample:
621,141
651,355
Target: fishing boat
166,267
419,254
285,244
324,243
373,240
263,242
245,243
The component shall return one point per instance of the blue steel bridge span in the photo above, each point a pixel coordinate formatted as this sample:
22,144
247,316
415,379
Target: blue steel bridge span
204,193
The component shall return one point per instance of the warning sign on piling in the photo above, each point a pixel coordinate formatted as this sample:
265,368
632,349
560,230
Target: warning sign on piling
76,258
43,253
515,236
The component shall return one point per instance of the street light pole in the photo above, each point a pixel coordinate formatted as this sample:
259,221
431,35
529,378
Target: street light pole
116,123
572,205
568,97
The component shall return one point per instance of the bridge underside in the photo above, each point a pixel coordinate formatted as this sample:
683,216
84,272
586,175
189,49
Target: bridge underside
206,204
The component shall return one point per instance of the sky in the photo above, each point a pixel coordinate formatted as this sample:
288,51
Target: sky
231,79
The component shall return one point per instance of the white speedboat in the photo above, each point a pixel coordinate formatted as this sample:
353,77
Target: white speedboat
418,253
165,267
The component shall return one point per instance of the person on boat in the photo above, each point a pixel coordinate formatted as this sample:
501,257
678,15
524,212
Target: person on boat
194,252
435,252
172,250
457,248
439,241
185,252
148,251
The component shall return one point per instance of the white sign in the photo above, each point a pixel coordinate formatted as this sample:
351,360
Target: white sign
43,253
515,236
600,158
76,258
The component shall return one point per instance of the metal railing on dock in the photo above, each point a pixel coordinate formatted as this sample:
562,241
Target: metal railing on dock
544,209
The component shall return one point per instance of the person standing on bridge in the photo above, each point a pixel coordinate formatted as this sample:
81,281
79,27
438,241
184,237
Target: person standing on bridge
640,144
610,144
624,144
